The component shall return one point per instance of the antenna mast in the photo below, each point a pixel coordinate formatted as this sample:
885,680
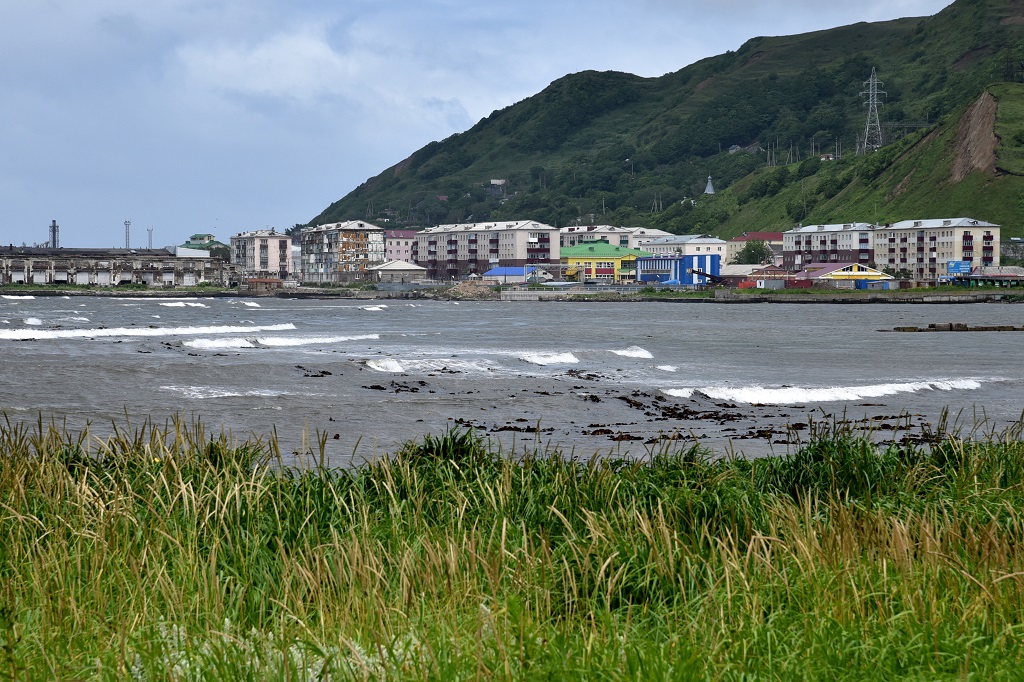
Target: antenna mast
872,127
54,235
127,234
150,230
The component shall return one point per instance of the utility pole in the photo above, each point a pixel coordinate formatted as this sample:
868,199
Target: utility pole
127,234
872,127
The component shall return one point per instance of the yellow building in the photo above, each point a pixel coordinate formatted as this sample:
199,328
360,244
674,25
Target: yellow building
601,262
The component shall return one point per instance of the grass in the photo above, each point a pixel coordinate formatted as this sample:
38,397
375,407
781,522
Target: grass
167,553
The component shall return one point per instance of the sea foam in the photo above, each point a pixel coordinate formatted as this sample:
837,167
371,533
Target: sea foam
216,344
38,334
794,395
549,358
286,341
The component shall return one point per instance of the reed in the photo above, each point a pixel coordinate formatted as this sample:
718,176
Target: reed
165,552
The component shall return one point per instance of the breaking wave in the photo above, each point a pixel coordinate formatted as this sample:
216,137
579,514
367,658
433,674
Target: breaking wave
667,368
385,365
634,352
217,344
285,341
34,321
549,358
18,298
791,395
182,304
38,334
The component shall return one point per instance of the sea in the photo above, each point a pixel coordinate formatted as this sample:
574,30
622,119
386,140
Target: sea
342,381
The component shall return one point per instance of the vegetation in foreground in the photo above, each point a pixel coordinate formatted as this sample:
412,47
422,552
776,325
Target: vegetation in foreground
163,553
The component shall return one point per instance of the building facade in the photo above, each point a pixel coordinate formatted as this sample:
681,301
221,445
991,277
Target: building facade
338,253
463,250
262,254
601,263
735,245
681,270
924,247
111,267
838,243
398,244
629,237
687,245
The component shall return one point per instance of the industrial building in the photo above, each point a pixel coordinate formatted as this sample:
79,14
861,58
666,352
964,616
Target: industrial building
691,270
112,267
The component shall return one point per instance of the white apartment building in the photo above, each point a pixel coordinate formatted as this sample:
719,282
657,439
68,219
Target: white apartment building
629,237
463,250
262,253
924,247
336,253
687,245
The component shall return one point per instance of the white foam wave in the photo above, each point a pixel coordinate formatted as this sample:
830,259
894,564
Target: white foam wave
790,395
34,321
549,358
286,341
80,319
251,304
201,392
175,304
18,298
31,334
372,308
385,365
679,392
216,344
634,352
667,368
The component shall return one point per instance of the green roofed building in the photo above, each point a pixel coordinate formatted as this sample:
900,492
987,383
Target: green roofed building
601,262
208,242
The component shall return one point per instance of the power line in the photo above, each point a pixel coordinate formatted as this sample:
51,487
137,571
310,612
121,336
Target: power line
872,126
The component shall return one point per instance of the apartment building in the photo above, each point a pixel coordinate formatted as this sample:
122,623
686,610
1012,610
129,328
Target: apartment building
837,243
628,237
736,244
338,253
463,250
398,245
925,247
262,253
686,245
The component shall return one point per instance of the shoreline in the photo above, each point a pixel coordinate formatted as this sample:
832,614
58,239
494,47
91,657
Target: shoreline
720,296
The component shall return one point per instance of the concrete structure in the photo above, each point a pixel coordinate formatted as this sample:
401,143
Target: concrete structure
398,244
630,237
924,247
337,253
677,269
458,251
735,245
837,243
262,254
999,276
204,241
601,262
686,245
398,271
111,267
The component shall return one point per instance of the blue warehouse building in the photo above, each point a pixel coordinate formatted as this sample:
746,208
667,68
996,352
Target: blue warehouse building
677,269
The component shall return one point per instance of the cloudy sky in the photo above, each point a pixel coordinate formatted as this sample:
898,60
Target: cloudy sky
219,116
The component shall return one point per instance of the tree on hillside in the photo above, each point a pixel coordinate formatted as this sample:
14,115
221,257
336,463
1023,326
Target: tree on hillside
753,252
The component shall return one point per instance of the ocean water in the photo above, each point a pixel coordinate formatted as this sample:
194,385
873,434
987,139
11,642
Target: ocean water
588,378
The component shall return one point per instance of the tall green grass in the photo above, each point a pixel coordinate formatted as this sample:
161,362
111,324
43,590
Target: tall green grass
165,553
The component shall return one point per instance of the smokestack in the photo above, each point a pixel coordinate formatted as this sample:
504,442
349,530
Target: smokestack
54,235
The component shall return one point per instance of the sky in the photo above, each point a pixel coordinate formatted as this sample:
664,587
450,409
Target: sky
221,116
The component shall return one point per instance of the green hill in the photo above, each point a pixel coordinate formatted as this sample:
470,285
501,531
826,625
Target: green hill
616,148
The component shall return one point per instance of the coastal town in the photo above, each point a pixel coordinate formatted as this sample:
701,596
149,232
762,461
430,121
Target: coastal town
860,255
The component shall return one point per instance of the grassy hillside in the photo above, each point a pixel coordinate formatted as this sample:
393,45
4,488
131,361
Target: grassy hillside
616,148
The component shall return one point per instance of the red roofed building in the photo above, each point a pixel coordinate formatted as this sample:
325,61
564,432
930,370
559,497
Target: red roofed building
736,244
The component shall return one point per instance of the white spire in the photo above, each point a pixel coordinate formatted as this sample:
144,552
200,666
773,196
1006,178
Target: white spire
710,189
